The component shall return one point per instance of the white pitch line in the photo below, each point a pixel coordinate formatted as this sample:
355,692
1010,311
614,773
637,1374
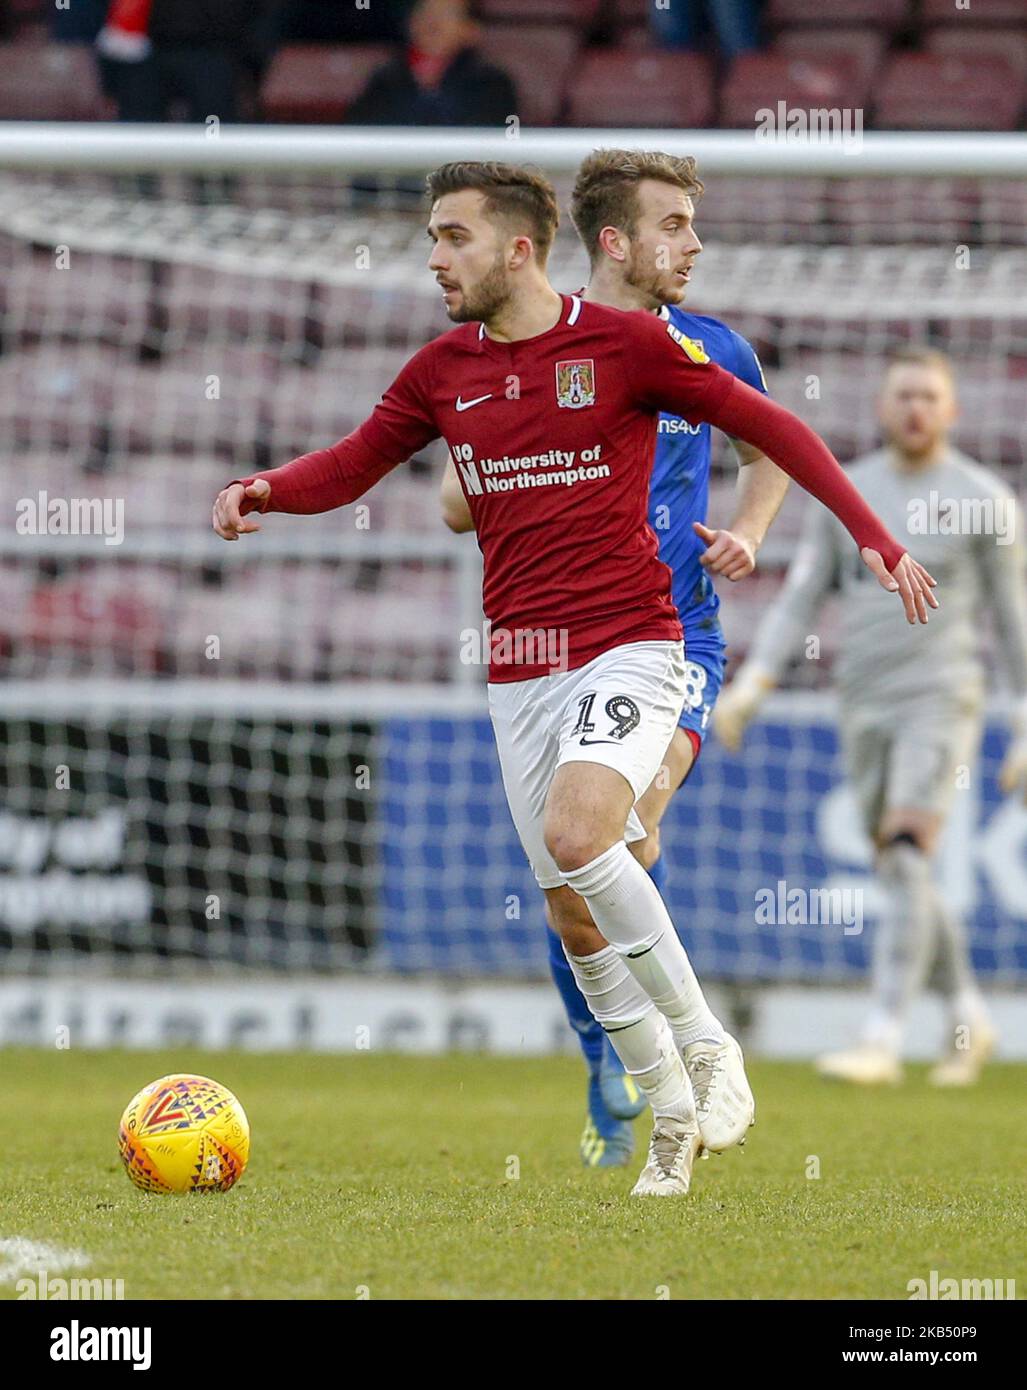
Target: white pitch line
18,1255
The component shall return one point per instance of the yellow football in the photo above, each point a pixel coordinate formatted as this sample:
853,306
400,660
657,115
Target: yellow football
184,1134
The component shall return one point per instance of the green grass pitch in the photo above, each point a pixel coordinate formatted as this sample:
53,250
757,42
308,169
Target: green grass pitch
394,1177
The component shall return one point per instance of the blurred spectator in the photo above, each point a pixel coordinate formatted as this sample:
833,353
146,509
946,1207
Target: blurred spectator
342,21
80,22
440,77
685,23
193,55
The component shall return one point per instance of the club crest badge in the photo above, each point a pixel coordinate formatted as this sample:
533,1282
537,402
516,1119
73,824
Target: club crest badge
576,383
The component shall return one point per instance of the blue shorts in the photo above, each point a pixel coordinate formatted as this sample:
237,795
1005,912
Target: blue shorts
704,675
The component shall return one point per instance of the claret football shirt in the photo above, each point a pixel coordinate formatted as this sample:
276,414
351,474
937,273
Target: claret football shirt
553,440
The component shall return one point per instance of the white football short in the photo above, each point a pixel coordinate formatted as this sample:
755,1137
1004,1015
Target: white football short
621,710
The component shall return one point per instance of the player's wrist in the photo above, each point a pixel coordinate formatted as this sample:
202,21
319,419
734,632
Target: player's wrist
749,535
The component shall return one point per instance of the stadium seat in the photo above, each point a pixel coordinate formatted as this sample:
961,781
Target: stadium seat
1003,211
980,12
168,405
19,18
921,91
642,87
755,210
984,44
843,413
888,15
630,16
202,304
759,81
307,407
866,46
539,58
885,211
101,619
105,300
85,398
54,398
50,82
581,13
316,83
382,314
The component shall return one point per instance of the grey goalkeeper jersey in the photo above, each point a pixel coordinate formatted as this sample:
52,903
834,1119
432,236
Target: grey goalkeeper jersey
962,523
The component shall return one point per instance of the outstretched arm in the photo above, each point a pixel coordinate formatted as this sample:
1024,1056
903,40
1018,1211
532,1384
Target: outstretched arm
804,456
670,372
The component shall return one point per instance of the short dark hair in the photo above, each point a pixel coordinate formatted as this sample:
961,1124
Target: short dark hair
523,197
606,189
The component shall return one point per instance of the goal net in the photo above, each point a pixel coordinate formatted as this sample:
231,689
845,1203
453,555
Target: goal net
275,754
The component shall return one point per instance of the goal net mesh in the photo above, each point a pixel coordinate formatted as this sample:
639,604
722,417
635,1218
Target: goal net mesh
274,754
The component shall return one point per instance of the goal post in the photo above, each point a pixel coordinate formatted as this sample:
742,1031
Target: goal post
275,755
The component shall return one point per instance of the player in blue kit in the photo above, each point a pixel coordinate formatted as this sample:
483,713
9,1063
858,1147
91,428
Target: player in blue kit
634,214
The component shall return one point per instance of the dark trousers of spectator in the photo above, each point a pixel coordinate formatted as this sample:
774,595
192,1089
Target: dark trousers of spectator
683,23
203,81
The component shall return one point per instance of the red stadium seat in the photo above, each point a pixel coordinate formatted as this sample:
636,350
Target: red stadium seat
106,300
935,12
752,209
888,15
316,83
24,17
631,14
867,46
922,91
539,58
1010,44
758,81
642,87
581,13
50,82
888,211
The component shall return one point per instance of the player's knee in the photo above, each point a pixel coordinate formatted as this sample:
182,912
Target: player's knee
647,851
902,859
905,841
573,845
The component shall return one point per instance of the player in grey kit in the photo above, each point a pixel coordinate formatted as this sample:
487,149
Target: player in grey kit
904,770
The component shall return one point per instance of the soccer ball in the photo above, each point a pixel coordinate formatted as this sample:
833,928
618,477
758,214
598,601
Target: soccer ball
184,1134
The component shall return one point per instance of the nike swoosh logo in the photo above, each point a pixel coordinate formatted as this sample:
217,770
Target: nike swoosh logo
466,405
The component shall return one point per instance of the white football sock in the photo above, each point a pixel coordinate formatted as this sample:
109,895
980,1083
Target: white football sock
902,941
637,1032
969,1009
627,908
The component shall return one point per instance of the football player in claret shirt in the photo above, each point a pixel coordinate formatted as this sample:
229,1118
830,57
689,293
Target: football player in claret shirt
634,212
549,405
